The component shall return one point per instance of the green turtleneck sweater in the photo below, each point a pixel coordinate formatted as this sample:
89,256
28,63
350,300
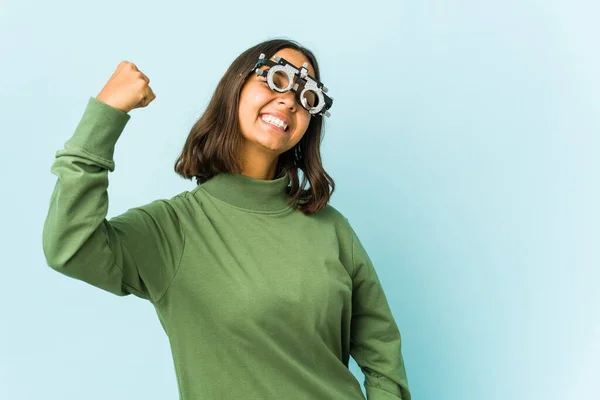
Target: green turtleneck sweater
258,300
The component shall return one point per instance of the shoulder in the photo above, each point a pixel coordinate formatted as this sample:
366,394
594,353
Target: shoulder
166,210
335,215
331,215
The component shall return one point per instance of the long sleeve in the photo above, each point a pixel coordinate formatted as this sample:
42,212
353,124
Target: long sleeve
375,337
136,252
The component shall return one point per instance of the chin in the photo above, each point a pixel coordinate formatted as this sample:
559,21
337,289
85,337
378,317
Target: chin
265,142
277,148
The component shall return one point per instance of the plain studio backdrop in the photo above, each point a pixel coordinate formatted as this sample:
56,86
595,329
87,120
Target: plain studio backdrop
464,142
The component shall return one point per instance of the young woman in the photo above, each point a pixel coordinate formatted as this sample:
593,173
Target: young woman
263,289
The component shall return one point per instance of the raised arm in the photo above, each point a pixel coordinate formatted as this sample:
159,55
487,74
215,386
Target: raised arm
136,252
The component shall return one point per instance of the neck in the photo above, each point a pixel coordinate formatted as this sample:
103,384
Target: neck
259,163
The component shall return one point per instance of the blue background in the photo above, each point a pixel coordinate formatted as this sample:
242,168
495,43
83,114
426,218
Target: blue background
464,142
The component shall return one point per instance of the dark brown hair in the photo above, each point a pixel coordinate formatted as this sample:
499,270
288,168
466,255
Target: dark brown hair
213,142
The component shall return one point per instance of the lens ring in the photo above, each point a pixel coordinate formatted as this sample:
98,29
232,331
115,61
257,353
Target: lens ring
320,100
272,71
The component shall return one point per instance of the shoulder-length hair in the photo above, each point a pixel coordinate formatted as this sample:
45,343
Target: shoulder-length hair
213,144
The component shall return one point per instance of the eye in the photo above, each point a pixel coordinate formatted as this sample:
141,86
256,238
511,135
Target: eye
311,98
263,79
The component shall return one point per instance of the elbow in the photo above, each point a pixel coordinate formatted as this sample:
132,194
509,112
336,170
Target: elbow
56,255
54,258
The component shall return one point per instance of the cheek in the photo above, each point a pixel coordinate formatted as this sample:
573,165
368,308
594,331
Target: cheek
246,106
303,122
250,103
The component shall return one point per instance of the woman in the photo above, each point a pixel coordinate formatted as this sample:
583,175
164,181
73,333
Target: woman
263,289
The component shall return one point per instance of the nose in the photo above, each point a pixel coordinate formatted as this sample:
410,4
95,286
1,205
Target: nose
288,99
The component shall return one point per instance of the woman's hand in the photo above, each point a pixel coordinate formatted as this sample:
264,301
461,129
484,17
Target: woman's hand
127,88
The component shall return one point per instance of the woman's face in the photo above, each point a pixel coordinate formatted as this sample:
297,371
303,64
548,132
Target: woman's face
262,110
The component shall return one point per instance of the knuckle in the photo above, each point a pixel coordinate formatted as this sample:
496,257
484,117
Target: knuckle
140,76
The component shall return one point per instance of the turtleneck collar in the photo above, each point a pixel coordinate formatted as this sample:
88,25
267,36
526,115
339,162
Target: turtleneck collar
249,193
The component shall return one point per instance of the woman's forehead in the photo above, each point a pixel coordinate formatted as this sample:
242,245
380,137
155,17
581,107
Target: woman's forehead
296,58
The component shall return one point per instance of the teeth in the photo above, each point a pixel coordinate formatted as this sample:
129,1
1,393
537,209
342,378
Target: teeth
274,121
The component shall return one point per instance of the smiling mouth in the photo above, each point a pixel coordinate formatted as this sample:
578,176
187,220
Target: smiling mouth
275,123
274,127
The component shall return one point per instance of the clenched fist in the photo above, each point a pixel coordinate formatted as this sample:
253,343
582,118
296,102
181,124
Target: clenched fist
127,88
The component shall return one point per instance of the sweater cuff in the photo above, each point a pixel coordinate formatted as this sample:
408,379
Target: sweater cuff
374,393
99,129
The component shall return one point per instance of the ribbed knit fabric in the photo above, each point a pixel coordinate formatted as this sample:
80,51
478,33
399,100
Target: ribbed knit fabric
258,300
